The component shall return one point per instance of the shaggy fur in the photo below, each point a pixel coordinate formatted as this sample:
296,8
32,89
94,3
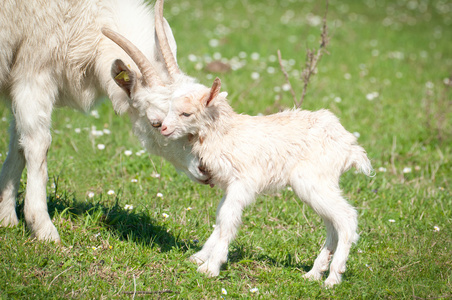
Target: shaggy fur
52,53
248,155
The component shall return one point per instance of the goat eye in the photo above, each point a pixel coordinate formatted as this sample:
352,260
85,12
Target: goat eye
156,124
186,114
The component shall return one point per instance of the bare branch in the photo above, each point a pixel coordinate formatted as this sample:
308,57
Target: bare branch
151,292
312,59
287,77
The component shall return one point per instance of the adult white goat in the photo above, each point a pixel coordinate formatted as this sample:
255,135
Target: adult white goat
52,53
248,155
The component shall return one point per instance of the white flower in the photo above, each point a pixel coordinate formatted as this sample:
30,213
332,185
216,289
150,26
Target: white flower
382,169
270,70
372,96
128,207
96,133
223,291
160,195
286,87
134,180
357,134
199,66
155,175
141,152
406,170
347,76
95,114
254,290
391,221
188,208
77,130
101,146
435,228
192,57
337,99
165,215
255,75
127,152
214,43
255,56
106,131
110,192
90,194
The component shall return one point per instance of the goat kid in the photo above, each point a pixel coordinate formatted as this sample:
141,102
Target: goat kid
54,54
248,155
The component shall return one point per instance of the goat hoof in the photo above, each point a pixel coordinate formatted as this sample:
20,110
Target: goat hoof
331,282
47,233
196,260
210,269
313,275
9,220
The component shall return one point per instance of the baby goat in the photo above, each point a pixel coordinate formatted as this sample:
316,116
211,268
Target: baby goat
248,155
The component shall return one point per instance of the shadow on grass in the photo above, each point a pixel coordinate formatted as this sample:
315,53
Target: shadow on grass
241,255
125,224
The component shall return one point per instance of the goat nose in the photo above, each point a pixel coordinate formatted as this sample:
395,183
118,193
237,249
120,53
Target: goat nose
164,128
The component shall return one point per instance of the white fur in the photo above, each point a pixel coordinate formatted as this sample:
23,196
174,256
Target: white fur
52,53
248,155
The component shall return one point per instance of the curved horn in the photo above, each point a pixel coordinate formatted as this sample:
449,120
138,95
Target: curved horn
170,61
150,76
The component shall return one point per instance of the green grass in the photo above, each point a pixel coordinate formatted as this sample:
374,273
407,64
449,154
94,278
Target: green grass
400,49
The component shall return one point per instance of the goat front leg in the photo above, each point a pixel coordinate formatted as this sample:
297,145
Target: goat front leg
229,216
32,107
10,178
202,256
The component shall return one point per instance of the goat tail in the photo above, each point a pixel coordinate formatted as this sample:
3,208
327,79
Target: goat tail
359,160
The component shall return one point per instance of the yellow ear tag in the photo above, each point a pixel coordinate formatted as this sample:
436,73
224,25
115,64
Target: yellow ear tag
123,75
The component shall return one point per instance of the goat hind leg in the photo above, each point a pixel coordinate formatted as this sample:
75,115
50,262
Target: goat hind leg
340,219
322,262
9,179
346,224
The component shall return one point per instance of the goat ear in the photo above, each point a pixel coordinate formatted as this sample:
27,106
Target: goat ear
214,90
123,76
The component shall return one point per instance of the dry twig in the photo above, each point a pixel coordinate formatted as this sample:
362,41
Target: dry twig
312,59
59,276
151,292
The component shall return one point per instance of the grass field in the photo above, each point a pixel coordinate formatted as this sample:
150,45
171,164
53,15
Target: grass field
129,222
